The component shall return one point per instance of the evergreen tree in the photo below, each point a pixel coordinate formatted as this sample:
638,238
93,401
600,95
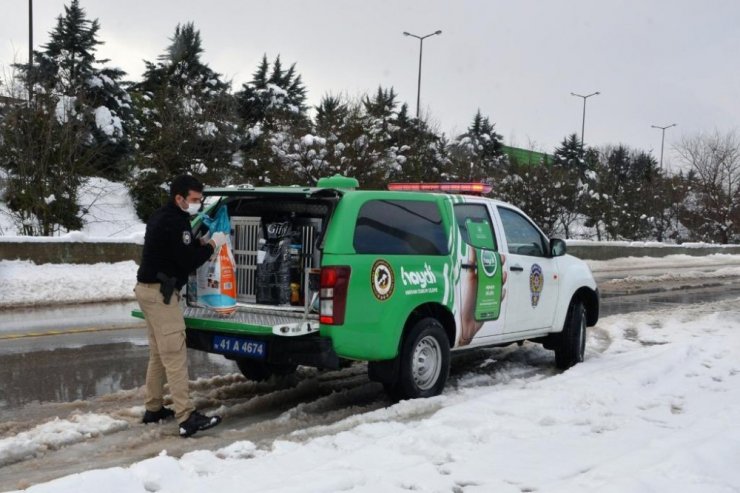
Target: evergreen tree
476,154
534,189
187,121
83,88
44,164
570,154
621,194
571,165
421,151
273,122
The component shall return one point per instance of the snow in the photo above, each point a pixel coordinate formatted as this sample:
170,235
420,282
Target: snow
654,407
65,108
309,140
95,81
55,434
651,244
107,211
667,263
108,123
25,283
208,129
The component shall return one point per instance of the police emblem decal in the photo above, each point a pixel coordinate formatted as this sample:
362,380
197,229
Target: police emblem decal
381,280
536,280
186,238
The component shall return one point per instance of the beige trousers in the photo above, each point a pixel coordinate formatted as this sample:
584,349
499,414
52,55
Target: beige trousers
168,356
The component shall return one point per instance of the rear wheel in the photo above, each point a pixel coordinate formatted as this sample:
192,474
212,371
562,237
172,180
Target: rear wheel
424,362
260,371
571,344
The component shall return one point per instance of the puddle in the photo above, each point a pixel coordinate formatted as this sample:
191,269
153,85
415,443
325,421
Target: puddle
69,374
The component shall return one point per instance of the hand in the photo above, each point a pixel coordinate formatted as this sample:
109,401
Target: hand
205,238
218,240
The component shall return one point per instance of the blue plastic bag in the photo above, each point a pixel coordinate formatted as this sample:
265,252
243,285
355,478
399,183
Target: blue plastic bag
220,222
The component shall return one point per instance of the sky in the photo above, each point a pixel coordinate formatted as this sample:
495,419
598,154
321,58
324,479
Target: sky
654,62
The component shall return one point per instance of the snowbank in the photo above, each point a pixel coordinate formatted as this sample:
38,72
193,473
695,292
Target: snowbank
55,434
107,211
25,283
646,244
656,410
75,237
667,263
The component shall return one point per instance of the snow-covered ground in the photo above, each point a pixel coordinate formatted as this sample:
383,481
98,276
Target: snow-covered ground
654,407
107,211
26,284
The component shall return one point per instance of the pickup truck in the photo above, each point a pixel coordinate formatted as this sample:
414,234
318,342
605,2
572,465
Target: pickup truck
399,278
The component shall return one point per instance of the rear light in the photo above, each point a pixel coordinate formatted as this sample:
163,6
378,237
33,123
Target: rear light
469,188
333,294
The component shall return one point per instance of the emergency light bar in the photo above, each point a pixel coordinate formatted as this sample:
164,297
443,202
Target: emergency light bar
470,188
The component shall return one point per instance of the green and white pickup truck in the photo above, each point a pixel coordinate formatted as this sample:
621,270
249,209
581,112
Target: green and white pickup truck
398,278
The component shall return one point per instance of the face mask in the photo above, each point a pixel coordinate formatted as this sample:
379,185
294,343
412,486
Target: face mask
192,209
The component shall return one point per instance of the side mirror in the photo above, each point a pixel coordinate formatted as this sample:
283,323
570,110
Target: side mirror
557,247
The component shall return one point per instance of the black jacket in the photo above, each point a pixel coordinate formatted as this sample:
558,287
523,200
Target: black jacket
170,247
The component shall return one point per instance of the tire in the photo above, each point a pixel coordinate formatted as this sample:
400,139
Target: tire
260,371
424,362
571,345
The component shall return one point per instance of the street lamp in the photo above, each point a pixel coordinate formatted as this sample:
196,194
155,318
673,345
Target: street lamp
30,49
662,140
583,121
421,48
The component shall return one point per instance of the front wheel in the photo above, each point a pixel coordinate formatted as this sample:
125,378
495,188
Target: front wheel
424,362
571,345
260,371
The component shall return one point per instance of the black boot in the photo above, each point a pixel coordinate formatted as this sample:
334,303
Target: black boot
157,416
197,422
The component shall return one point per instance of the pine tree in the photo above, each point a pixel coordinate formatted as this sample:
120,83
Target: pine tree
476,154
83,88
422,151
273,96
273,124
621,194
570,154
572,168
375,151
44,164
188,122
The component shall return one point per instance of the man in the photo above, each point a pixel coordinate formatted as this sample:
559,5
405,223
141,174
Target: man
170,254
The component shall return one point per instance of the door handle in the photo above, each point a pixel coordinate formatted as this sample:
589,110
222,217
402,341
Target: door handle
516,268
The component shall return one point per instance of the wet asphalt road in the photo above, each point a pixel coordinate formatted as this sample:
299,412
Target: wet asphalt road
109,353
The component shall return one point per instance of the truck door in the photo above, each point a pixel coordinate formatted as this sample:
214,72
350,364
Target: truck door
532,285
480,294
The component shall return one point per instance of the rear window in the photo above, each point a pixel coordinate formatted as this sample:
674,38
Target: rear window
400,227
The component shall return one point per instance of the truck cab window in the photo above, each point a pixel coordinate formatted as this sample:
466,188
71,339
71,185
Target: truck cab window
521,235
474,224
400,227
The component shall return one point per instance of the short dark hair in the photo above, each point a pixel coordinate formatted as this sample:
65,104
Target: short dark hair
183,184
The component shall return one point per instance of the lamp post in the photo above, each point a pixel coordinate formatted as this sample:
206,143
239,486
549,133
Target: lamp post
583,121
662,140
30,49
421,48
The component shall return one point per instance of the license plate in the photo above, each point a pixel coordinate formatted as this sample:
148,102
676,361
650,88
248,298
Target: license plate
242,347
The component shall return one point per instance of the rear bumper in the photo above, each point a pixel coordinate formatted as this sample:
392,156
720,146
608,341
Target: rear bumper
310,350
